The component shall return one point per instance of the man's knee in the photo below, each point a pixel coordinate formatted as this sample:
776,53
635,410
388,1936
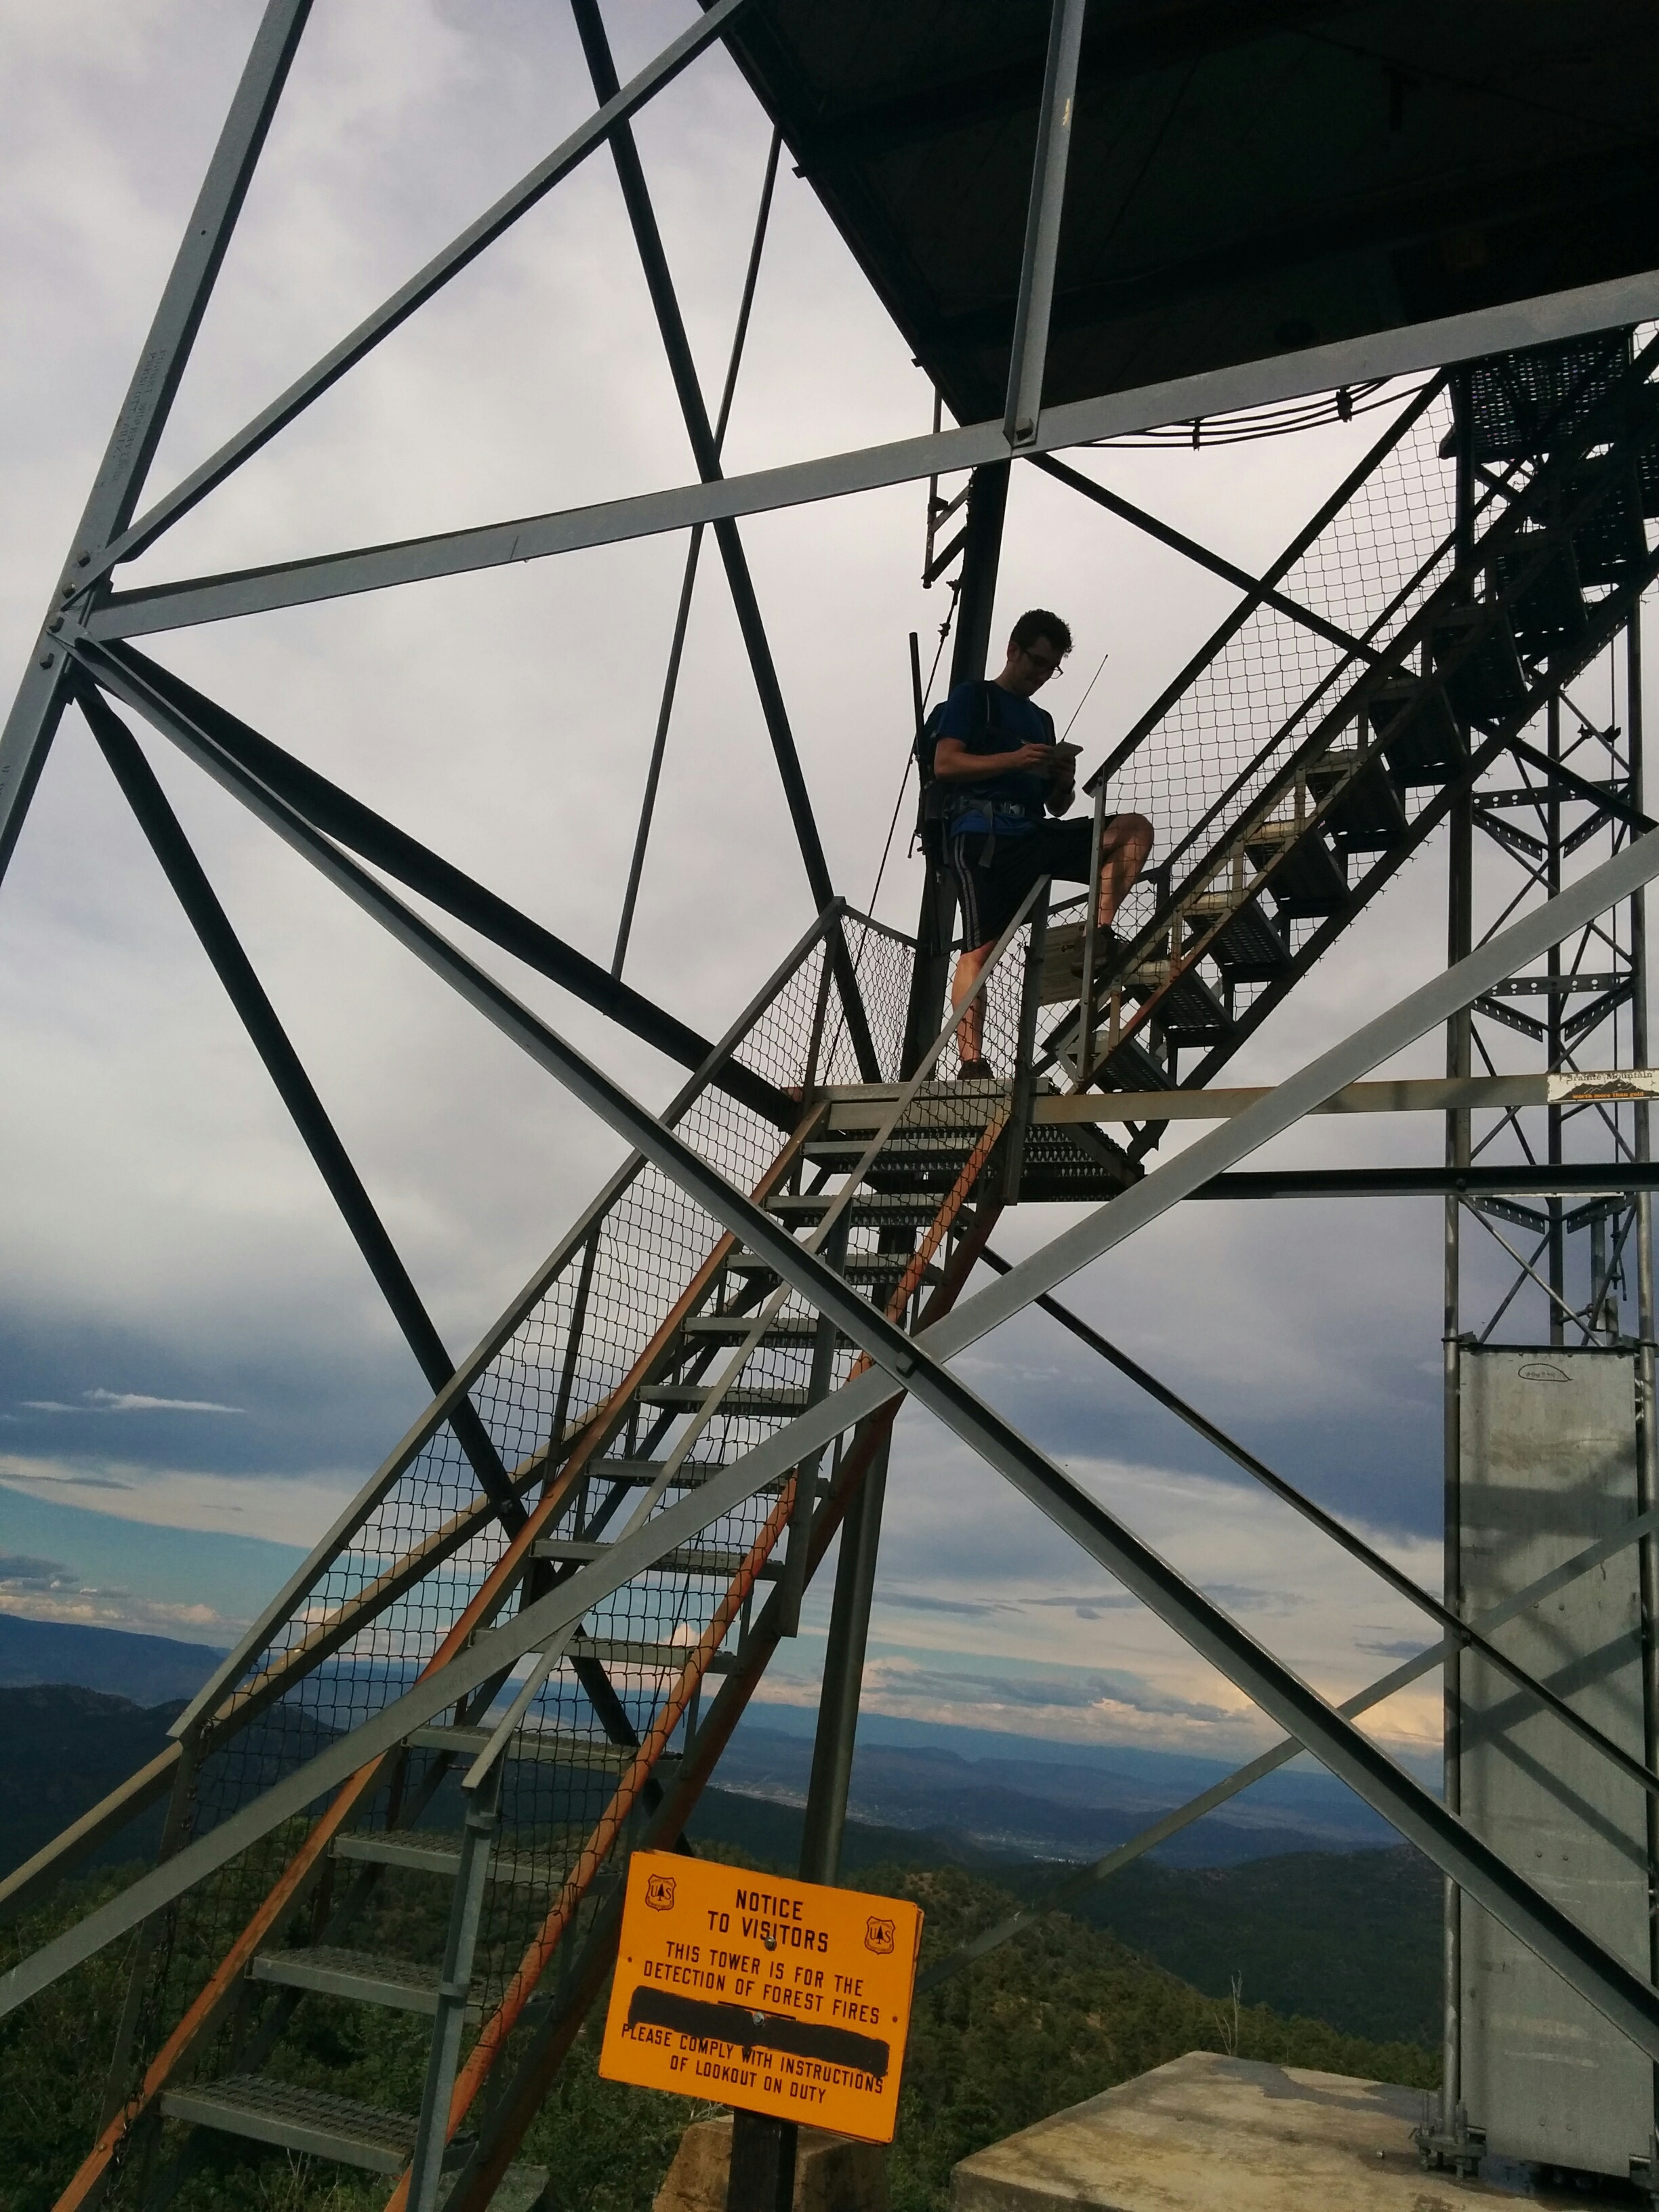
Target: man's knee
1131,833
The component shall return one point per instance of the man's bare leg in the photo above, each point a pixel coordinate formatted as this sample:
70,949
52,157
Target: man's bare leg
970,1029
1125,843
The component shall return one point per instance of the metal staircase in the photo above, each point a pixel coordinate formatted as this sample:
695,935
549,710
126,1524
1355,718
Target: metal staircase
451,1880
1485,616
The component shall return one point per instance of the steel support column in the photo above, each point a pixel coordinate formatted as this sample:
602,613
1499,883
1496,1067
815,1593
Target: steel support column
359,828
1028,351
835,1739
693,551
705,452
38,707
1460,867
1647,1378
987,508
392,313
271,1040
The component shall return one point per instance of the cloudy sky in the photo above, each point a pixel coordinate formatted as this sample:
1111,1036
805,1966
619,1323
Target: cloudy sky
195,1368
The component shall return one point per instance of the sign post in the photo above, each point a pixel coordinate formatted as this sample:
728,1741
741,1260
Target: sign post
780,1997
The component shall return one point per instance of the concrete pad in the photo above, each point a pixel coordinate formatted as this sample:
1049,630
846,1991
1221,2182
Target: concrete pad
1209,2134
833,2173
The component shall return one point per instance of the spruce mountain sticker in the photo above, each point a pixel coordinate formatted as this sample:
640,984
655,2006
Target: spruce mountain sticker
879,1936
660,1892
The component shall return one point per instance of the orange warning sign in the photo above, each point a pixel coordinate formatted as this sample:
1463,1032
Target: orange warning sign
781,1996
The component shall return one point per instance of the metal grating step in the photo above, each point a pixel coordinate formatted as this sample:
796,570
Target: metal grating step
1189,1009
690,1475
947,1118
397,1983
1367,814
882,1205
295,2119
554,1746
1472,649
321,2125
1418,731
437,1851
1545,594
911,1147
857,1267
1310,877
1249,947
884,1268
733,1328
689,1560
1610,542
759,1401
663,1657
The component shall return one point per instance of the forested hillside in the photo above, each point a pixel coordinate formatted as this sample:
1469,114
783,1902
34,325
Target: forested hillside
1061,2014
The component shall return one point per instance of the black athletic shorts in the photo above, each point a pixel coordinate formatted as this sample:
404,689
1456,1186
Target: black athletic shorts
990,893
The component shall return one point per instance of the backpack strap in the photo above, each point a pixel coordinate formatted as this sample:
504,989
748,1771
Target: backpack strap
934,804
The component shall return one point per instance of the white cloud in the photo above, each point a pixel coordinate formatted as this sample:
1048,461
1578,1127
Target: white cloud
291,1509
126,1401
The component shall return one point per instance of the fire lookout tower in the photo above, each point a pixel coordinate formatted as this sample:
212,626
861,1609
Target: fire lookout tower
521,1652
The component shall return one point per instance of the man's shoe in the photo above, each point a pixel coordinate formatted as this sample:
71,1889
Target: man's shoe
977,1070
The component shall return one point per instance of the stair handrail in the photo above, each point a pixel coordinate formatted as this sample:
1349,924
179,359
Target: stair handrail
198,1714
1407,419
1375,674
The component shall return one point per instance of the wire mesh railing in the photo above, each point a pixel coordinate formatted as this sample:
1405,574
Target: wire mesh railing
1246,708
394,1585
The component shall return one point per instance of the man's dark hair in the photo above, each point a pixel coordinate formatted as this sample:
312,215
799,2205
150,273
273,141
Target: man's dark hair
1038,621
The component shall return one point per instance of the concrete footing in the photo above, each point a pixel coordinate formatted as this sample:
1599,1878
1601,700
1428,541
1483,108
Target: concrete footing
833,2173
1209,2134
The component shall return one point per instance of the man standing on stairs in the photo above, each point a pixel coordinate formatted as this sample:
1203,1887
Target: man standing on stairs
1001,775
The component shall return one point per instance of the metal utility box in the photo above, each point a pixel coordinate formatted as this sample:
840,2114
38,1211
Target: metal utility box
1547,1463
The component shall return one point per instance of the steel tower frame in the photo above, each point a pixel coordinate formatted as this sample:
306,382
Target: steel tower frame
85,656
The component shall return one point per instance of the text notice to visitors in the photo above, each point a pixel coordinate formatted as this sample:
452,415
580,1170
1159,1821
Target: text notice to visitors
780,1996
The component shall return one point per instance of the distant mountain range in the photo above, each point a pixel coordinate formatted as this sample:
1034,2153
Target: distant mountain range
145,1669
979,1794
1069,1802
1351,1937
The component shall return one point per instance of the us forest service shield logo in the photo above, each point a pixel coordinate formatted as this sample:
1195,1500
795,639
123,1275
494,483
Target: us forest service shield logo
659,1893
878,1936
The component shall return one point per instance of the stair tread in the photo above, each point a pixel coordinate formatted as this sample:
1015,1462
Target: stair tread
300,2119
905,1144
365,1977
641,1652
558,1747
437,1851
742,1398
690,1475
369,1966
690,1558
733,1328
882,1266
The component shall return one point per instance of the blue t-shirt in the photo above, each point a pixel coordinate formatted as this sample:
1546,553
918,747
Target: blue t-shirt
1012,721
